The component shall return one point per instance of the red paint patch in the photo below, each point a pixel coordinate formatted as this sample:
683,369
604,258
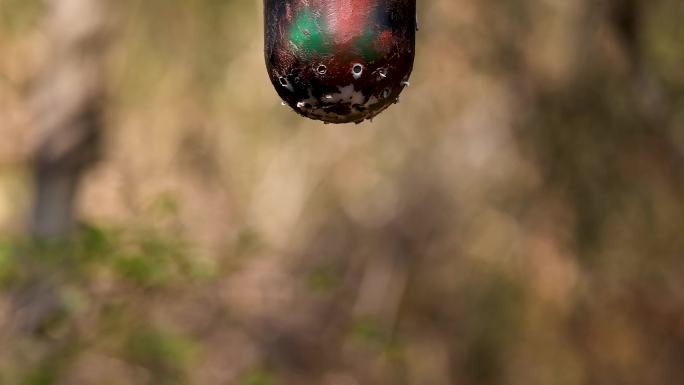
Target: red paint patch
384,41
348,19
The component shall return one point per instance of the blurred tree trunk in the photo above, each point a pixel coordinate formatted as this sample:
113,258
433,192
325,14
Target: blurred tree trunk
69,101
654,106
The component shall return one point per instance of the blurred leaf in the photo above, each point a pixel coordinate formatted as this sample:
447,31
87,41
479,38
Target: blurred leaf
145,270
96,243
8,266
165,205
45,375
17,15
157,348
258,377
323,280
371,333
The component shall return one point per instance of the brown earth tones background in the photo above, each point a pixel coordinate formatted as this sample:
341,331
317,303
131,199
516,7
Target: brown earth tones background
516,219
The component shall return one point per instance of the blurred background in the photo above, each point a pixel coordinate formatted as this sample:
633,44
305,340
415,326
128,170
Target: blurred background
517,219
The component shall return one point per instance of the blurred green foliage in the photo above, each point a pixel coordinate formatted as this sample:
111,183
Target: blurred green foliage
258,377
128,263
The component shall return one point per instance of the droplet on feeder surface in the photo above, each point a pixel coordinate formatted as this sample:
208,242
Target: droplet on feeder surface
382,73
340,61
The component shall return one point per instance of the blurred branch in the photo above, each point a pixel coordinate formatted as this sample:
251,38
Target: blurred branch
626,17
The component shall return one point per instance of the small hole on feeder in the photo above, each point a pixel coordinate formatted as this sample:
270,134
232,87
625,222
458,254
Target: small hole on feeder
386,93
322,69
357,70
283,81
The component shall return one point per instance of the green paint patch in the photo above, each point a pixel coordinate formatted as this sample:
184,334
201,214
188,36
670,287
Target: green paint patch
365,45
306,34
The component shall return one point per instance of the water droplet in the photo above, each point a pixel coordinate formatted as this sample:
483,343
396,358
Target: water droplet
285,83
382,73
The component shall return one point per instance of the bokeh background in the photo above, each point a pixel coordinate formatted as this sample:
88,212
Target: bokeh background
516,219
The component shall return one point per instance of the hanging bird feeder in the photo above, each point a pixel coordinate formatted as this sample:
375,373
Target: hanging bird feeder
340,61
